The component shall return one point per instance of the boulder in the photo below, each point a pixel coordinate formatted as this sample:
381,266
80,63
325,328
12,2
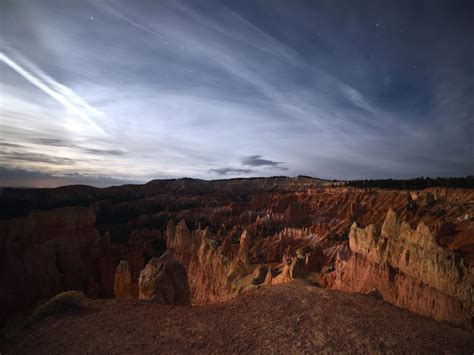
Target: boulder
164,280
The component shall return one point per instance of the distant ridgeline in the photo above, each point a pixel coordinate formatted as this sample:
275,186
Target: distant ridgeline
416,184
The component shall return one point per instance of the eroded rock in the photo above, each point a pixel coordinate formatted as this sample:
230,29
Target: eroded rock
164,280
213,276
124,288
409,269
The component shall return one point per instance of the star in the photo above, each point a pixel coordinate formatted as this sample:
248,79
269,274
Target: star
92,17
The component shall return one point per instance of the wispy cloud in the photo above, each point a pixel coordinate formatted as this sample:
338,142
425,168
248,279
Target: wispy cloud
57,142
57,91
34,158
189,88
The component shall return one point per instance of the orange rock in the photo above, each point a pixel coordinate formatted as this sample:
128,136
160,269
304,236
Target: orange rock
124,288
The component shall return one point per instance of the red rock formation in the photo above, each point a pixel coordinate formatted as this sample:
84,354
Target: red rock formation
213,277
283,215
293,267
48,252
164,280
409,269
124,288
240,265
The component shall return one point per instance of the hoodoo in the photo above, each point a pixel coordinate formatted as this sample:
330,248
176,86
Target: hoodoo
204,250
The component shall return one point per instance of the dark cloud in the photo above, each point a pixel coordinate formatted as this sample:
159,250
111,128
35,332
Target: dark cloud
256,160
104,151
230,171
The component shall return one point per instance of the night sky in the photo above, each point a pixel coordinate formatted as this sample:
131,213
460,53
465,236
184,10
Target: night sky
111,92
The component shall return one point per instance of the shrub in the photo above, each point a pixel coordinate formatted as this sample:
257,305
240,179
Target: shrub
59,304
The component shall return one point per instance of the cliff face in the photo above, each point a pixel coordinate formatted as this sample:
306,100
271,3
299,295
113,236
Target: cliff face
48,252
409,269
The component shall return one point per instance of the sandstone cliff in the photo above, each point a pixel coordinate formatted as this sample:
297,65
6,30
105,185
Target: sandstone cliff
409,269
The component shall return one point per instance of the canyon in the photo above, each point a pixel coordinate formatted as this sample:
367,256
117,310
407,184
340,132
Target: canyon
211,243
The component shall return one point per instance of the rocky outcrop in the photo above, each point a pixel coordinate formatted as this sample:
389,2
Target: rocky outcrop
240,265
124,288
208,271
409,269
213,276
179,238
164,280
49,252
294,267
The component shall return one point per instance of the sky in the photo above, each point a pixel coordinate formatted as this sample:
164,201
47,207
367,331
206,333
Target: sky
112,92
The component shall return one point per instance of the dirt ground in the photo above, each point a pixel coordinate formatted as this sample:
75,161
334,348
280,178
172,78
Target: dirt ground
291,318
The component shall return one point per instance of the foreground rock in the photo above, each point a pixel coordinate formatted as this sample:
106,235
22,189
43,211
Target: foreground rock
409,269
164,280
287,319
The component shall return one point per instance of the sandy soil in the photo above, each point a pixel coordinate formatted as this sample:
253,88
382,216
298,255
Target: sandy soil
292,318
